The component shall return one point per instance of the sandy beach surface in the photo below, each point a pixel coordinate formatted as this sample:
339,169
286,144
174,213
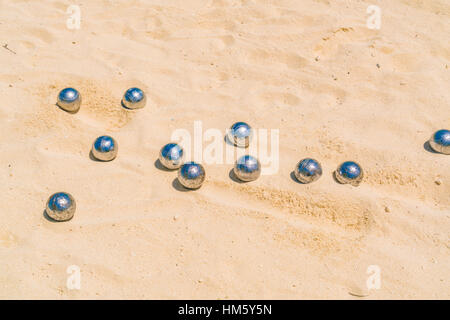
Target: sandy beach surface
335,89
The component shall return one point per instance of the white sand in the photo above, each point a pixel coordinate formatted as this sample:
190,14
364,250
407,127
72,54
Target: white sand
307,68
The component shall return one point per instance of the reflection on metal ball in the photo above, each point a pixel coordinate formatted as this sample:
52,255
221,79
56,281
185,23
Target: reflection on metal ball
69,99
247,168
134,98
240,134
440,141
171,156
105,148
191,175
308,170
60,206
349,172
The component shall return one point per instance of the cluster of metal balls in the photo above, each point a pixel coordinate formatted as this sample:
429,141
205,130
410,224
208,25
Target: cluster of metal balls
61,205
69,99
191,175
248,168
309,170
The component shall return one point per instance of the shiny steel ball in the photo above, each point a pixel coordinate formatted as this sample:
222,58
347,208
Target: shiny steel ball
349,172
308,170
247,168
171,156
240,134
440,141
105,148
134,98
69,99
191,175
60,206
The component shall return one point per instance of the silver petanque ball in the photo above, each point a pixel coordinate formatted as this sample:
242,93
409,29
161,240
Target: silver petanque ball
308,170
171,156
191,175
105,148
134,98
349,172
247,168
69,99
60,206
240,134
440,141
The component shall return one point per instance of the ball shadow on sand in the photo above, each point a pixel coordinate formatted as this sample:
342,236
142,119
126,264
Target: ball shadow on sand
294,178
50,219
124,106
91,156
334,177
233,177
428,148
71,112
159,165
227,141
179,187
